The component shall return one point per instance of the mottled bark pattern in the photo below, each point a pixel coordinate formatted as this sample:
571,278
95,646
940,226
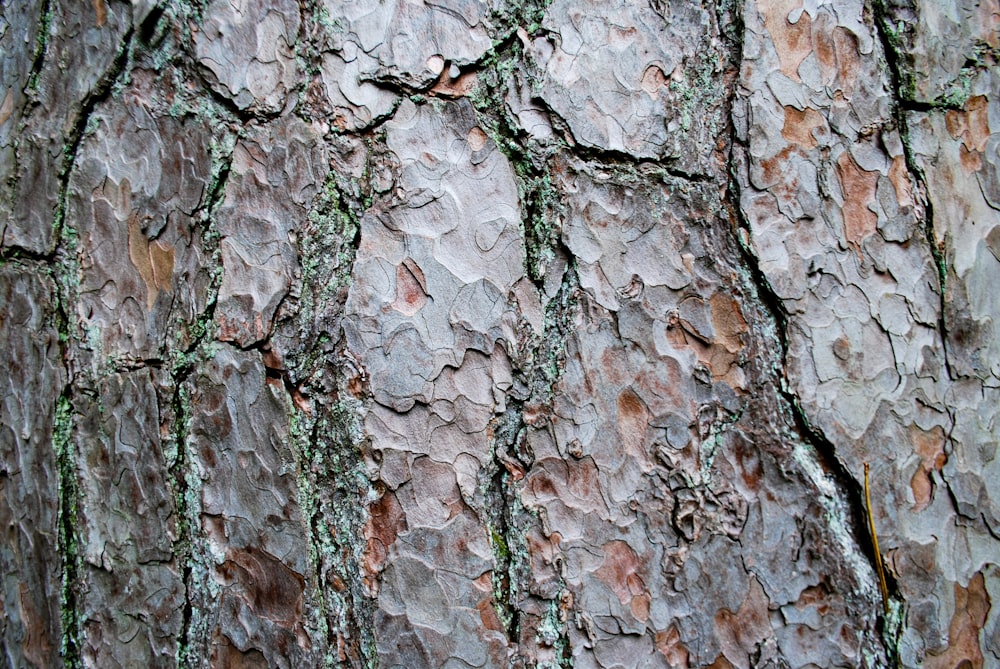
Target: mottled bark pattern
477,334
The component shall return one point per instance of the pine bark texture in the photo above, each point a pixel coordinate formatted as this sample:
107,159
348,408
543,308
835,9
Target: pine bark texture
468,333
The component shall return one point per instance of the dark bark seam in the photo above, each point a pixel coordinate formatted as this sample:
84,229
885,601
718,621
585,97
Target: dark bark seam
900,105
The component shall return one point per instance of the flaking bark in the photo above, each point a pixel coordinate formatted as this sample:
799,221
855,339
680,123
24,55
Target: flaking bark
481,334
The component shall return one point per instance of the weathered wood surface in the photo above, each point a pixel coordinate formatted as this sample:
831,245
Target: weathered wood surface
476,334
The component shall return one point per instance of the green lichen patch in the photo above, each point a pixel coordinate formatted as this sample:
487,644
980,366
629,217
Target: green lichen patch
68,539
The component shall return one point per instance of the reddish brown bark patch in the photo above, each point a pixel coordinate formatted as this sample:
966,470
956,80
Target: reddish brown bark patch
900,178
792,41
668,642
799,126
972,126
153,260
385,522
633,418
859,186
620,572
411,288
270,588
37,646
739,633
227,656
930,446
972,605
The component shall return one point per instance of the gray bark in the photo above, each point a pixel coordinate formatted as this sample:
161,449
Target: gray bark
482,334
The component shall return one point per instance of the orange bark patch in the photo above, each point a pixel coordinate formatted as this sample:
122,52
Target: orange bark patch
900,178
7,108
848,59
989,21
721,663
653,80
269,587
719,352
730,326
815,595
792,41
485,606
930,447
154,260
37,646
385,522
633,418
619,571
972,127
859,186
837,54
799,126
668,642
101,11
575,483
458,87
972,604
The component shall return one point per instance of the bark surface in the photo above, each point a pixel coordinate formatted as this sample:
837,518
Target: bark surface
394,333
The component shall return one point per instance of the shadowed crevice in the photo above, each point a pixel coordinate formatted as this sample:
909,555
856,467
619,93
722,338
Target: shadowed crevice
901,104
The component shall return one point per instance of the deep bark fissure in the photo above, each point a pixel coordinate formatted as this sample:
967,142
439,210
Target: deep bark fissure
177,472
64,247
184,365
900,105
41,45
501,527
100,93
69,549
332,498
851,491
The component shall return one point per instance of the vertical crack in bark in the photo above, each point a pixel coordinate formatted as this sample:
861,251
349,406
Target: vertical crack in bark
501,524
63,265
184,363
333,487
100,93
507,520
333,462
851,491
178,473
899,80
41,45
68,541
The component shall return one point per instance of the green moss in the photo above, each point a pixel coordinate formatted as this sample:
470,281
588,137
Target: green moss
41,45
333,493
959,90
68,539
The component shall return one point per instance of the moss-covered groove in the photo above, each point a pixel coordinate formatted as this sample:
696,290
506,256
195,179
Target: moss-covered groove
63,266
41,45
327,438
335,493
183,365
505,539
68,541
507,521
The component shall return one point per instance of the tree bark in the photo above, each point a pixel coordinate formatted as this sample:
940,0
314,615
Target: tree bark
485,334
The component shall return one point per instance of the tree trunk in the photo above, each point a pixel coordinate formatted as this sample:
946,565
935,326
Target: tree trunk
393,333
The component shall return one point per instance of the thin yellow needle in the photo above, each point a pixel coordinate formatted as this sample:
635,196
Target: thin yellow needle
878,553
